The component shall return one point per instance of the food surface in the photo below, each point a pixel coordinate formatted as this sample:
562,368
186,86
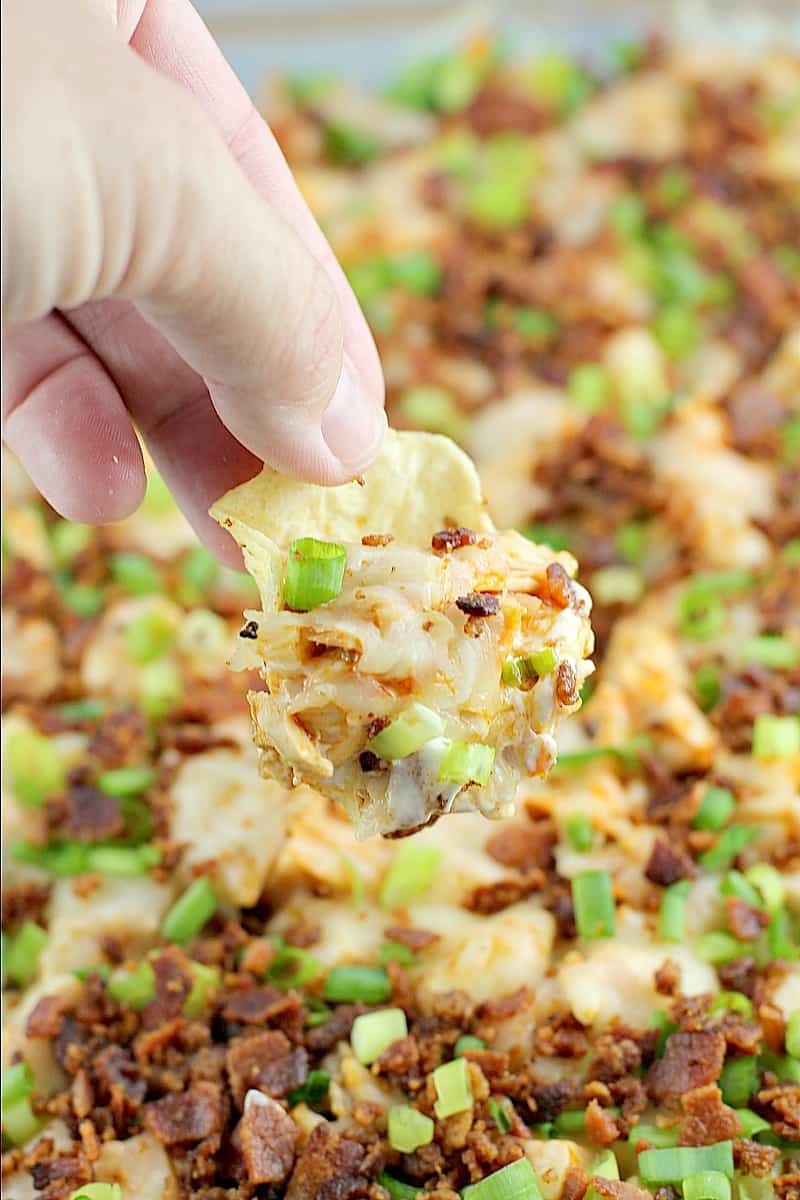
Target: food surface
211,989
416,670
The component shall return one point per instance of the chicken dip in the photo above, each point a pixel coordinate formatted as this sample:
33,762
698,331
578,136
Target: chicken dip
590,280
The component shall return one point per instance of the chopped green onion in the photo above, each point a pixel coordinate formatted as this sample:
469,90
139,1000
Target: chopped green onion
346,985
546,535
677,331
707,1185
466,763
416,270
517,1181
738,1080
779,939
676,1164
22,958
199,571
68,540
716,809
351,147
733,1002
205,982
793,1033
81,599
627,216
570,1124
543,661
605,1166
627,754
81,710
314,1089
101,970
318,1012
617,585
314,573
674,185
190,912
730,842
701,615
374,1032
293,967
122,862
407,733
661,1137
59,858
769,883
589,387
97,1191
20,1123
468,1041
751,1123
434,410
521,671
397,1189
454,84
580,833
631,541
35,766
790,441
408,1128
593,900
717,947
735,884
672,921
453,1088
160,689
776,737
787,259
707,686
499,1114
558,80
396,952
17,1083
149,636
126,781
135,574
534,324
138,820
134,988
770,650
410,875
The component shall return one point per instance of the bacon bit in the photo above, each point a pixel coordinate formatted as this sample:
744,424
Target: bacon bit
186,1117
601,1125
368,761
668,978
616,1189
249,631
787,1185
740,975
773,1024
24,902
337,1028
268,1136
506,1006
781,1107
447,540
562,1036
254,1007
744,920
173,982
63,1172
414,939
400,1058
567,692
491,898
328,1158
751,1158
709,1120
690,1060
121,738
89,1140
524,846
667,864
257,957
82,1094
560,592
265,1061
478,604
86,885
493,1063
377,539
376,725
618,1053
47,1017
92,816
576,1184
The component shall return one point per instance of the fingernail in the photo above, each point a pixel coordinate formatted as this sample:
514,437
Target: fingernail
352,425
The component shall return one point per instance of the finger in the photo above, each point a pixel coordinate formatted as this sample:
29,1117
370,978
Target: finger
64,418
165,217
171,35
194,452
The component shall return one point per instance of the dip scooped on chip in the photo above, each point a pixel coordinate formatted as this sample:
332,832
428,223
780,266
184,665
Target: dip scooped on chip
416,661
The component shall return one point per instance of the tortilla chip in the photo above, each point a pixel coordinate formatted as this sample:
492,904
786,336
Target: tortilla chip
421,483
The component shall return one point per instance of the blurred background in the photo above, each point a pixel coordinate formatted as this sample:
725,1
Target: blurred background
369,40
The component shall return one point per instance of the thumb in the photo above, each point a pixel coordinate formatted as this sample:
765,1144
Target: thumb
154,209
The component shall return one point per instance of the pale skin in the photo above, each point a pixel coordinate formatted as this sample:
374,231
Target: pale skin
161,269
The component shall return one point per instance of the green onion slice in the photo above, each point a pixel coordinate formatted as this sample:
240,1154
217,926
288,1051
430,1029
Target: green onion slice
293,967
408,1128
410,875
314,573
22,957
672,923
35,767
134,988
20,1123
396,1188
730,842
190,912
205,983
347,985
751,1123
776,737
396,952
717,947
468,1041
314,1090
707,1185
659,1136
738,1080
122,862
126,781
605,1166
149,636
593,900
793,1033
499,1114
770,650
374,1032
733,1002
769,884
135,574
407,733
17,1083
466,763
97,1191
517,1181
676,1164
716,809
580,833
453,1088
160,689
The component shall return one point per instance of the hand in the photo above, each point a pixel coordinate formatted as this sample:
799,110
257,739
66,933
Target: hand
160,267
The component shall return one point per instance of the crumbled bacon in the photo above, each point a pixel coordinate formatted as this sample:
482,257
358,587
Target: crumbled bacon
186,1117
91,815
478,604
567,683
751,1158
268,1136
601,1125
266,1061
708,1119
377,539
690,1060
415,939
744,921
47,1017
491,898
668,863
524,847
328,1159
781,1107
559,586
447,540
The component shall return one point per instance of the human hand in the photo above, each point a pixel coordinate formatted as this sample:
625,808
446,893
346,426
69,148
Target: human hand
161,268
